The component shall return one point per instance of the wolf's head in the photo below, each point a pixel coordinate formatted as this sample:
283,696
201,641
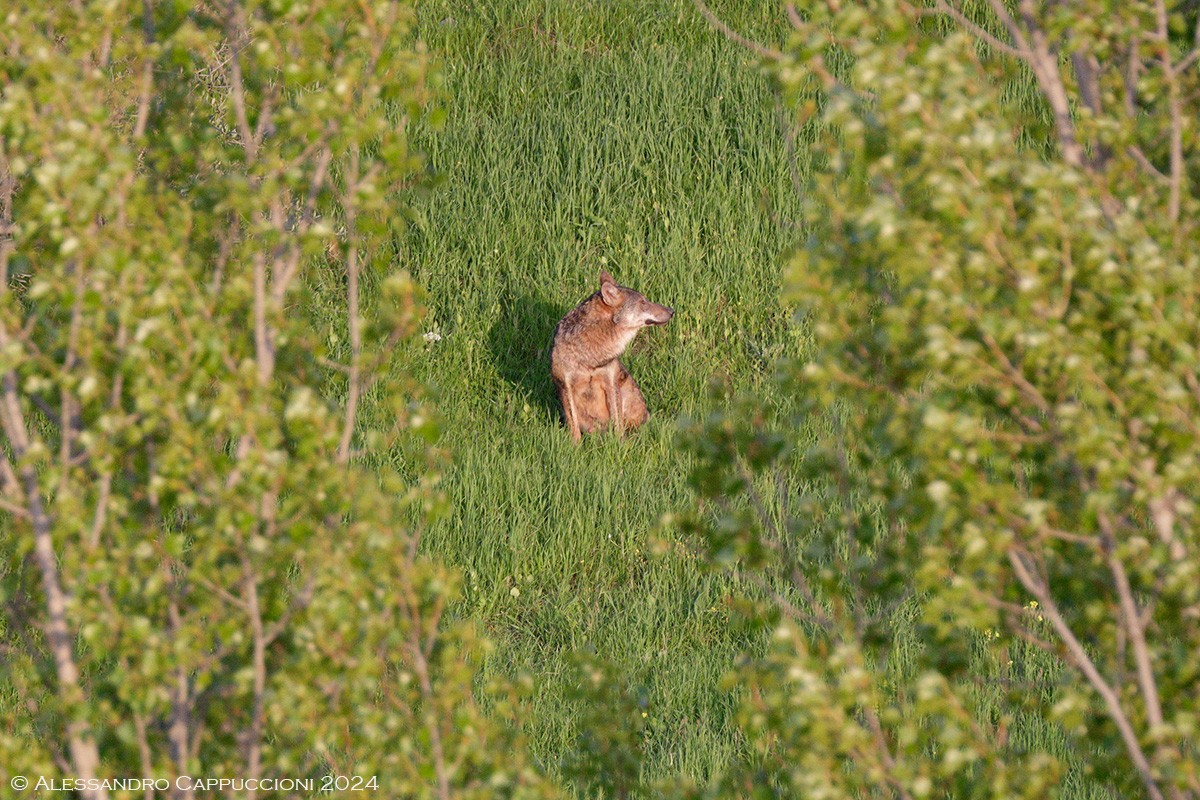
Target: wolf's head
631,310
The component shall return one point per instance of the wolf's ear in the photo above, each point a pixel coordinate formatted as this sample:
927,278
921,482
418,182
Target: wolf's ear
609,290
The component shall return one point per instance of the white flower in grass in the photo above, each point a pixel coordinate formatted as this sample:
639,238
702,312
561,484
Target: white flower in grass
431,336
939,492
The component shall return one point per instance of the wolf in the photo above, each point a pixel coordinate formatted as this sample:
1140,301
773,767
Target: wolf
593,385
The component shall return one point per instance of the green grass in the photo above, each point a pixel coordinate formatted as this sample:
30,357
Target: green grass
623,135
582,136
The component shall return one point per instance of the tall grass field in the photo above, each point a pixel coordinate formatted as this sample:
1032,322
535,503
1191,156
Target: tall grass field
583,135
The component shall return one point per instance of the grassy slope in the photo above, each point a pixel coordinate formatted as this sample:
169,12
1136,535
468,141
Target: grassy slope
582,134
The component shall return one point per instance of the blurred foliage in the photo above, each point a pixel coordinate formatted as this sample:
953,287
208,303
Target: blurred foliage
981,522
200,575
606,760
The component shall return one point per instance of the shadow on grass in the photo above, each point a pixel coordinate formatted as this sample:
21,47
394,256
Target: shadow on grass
520,343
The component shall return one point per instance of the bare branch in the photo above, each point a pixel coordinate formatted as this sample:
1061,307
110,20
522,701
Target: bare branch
420,663
146,90
101,513
303,598
816,613
818,618
354,379
1187,60
252,742
67,404
222,593
1087,75
944,7
11,508
1129,77
144,753
1078,656
1162,512
1175,108
793,16
885,752
1031,392
265,117
1144,163
226,241
85,755
264,347
235,26
734,36
179,725
1134,626
1044,64
333,365
1089,542
1014,30
114,401
283,279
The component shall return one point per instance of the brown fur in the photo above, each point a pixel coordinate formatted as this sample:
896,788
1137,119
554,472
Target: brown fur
588,342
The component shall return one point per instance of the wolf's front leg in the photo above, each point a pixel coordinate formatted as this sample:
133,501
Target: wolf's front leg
613,395
570,415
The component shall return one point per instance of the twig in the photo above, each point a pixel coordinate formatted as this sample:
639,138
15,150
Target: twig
1087,71
420,660
179,725
1015,375
101,513
1014,30
1187,60
1140,157
1175,107
1129,77
263,341
67,402
303,598
144,753
1134,626
1162,512
235,27
1044,64
1079,657
794,16
978,32
291,266
885,751
734,36
253,737
354,378
146,91
114,401
85,755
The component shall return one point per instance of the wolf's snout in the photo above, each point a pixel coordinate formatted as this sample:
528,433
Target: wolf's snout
662,317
